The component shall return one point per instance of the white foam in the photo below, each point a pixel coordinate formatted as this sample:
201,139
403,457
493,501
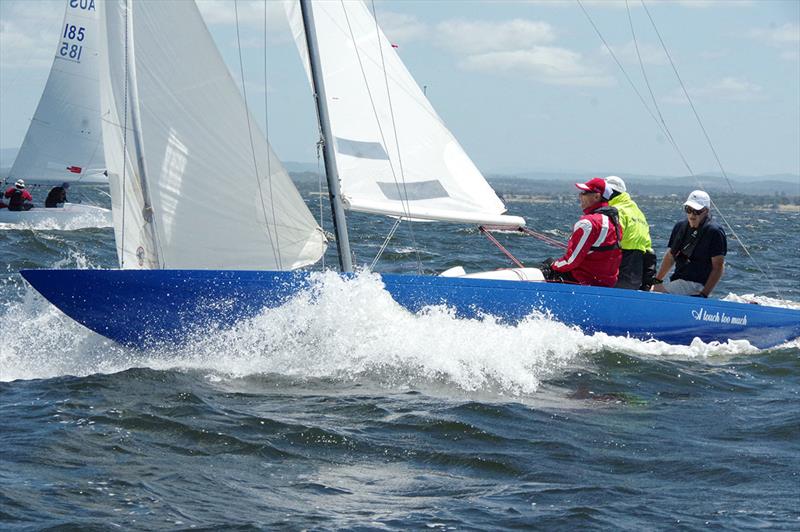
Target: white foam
84,220
345,330
762,300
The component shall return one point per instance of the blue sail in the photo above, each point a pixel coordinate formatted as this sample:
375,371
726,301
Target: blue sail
144,308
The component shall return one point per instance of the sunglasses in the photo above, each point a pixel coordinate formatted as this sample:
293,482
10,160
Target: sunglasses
689,210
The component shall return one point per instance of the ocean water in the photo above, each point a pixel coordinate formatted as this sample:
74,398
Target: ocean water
354,414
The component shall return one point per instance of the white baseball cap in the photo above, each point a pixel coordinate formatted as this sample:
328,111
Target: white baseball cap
20,183
616,183
698,200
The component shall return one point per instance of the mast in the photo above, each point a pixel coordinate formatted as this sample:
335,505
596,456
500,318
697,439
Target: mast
130,67
328,153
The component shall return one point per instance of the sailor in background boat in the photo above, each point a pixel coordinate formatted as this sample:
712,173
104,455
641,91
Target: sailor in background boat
57,196
593,251
697,248
19,199
638,266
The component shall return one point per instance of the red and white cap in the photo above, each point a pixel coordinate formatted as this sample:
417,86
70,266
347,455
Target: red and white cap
597,185
698,200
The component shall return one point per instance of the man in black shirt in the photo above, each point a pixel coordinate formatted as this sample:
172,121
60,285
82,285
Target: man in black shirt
697,248
56,196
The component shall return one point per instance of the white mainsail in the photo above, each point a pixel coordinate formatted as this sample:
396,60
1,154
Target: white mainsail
394,154
64,141
191,187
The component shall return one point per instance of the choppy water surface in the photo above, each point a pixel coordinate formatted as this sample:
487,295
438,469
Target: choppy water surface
355,414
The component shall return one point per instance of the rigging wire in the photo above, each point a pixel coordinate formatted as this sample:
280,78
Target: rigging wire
124,144
385,243
688,98
633,85
396,138
269,146
250,129
662,124
402,193
319,188
664,127
710,144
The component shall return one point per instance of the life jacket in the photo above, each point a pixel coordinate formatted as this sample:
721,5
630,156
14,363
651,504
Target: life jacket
688,239
632,221
613,216
15,202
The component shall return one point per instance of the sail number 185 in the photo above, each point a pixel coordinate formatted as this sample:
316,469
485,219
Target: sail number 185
72,50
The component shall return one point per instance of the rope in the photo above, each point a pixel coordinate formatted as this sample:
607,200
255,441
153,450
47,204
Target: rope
385,243
500,246
249,127
544,238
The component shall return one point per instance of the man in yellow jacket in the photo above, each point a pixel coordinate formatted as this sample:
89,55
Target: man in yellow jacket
638,259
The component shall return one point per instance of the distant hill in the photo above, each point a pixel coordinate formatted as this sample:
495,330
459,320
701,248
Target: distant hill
555,182
541,182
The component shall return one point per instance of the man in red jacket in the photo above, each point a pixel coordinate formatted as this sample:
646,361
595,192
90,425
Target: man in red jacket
18,197
593,252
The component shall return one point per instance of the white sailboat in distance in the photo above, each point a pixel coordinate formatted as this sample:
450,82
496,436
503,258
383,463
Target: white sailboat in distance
64,140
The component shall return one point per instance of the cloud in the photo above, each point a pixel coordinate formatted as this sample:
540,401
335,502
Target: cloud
701,4
729,88
711,55
401,28
28,33
251,17
791,55
785,37
549,64
650,53
517,47
479,36
620,4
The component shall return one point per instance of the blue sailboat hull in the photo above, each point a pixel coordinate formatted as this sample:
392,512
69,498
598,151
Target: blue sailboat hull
142,308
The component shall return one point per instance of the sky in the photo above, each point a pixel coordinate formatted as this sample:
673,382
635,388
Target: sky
525,85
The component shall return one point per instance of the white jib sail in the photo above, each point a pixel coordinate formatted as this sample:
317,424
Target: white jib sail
394,154
189,189
64,141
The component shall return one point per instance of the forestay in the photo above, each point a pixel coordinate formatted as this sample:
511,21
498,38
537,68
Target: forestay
188,190
64,141
394,154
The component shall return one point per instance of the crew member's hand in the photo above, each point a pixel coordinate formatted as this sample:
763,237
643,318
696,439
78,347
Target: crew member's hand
546,268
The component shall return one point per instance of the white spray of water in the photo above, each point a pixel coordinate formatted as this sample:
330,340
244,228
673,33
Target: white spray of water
83,220
762,300
346,330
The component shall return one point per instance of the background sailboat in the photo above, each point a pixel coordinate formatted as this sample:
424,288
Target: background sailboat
165,150
64,140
